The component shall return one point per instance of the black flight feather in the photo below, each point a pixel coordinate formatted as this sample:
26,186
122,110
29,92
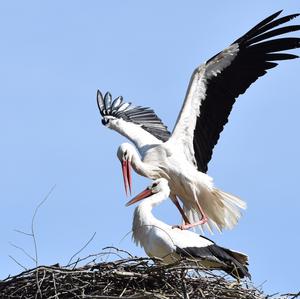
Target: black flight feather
216,254
255,55
143,116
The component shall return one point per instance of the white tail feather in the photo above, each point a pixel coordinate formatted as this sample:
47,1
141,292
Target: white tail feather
221,208
235,200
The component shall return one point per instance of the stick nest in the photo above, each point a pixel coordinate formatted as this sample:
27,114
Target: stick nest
126,277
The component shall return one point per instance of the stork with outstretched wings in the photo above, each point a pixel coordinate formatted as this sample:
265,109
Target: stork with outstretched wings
182,157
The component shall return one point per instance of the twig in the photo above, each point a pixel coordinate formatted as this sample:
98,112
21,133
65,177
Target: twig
21,232
137,277
39,283
86,244
296,295
24,251
18,263
125,236
32,223
34,238
293,296
118,250
124,290
85,258
54,284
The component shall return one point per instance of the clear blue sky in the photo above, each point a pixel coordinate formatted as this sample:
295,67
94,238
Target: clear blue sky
55,54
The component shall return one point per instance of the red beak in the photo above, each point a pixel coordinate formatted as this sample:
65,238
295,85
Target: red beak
126,176
146,193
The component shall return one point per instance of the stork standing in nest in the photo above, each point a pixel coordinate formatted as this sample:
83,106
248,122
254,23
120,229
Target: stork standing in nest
161,240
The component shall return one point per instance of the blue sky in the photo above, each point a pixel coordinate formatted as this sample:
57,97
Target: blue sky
55,54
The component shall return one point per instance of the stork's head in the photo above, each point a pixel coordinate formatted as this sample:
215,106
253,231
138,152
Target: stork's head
108,120
125,153
158,186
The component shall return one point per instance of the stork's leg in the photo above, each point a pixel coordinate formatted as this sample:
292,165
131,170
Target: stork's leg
202,221
177,204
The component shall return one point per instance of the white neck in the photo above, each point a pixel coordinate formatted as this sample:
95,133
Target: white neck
144,220
135,133
144,169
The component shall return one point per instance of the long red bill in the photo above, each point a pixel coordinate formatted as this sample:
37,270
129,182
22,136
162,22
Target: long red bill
129,176
126,176
146,193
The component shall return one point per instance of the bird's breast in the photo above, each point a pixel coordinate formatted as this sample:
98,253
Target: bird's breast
160,244
155,155
180,173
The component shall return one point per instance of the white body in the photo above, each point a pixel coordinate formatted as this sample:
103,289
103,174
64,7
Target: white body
160,240
190,185
213,89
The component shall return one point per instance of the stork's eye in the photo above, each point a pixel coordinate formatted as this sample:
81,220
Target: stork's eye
105,121
154,185
125,155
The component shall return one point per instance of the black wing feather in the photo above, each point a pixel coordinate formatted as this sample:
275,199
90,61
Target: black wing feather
143,116
255,56
215,253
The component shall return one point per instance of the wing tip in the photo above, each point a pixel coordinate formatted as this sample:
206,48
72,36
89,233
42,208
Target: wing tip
144,116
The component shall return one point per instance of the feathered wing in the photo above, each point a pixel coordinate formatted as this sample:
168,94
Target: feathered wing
216,257
214,86
142,116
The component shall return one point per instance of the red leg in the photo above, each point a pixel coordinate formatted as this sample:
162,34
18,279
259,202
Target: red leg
187,223
177,204
202,221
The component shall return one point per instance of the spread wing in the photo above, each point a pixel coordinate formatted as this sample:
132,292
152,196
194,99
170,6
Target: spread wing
142,116
214,86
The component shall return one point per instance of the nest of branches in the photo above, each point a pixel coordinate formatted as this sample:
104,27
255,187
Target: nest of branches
126,277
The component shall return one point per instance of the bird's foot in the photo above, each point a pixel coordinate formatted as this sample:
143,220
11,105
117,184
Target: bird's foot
190,225
180,226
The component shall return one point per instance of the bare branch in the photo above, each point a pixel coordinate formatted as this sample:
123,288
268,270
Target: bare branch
86,244
32,223
118,250
21,232
18,263
23,250
129,278
95,255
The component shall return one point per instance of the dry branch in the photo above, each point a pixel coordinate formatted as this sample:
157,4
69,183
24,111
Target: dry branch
128,277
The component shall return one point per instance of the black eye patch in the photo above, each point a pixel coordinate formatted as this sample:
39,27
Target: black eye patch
105,121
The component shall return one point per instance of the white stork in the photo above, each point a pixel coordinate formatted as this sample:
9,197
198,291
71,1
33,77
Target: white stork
162,241
182,157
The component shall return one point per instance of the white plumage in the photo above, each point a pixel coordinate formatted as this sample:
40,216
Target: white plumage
194,188
162,241
182,157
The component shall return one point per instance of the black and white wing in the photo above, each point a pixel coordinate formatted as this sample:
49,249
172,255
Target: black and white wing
214,86
142,116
